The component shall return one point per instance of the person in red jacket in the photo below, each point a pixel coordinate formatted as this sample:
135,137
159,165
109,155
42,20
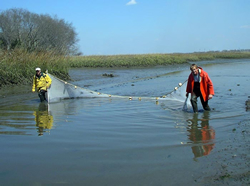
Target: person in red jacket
199,85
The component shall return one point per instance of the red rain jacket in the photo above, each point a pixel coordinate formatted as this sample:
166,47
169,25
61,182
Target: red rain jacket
206,85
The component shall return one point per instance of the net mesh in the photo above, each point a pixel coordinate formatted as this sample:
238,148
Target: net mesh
63,90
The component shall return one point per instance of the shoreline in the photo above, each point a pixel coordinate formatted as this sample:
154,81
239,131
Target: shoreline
18,67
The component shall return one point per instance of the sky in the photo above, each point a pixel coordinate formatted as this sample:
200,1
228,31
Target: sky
112,27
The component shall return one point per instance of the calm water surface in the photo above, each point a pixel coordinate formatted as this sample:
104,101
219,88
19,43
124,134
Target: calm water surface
104,141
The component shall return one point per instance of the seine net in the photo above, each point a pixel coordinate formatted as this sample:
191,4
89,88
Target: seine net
63,90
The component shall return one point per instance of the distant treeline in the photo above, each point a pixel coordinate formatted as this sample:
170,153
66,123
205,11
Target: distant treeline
28,31
29,40
217,51
17,67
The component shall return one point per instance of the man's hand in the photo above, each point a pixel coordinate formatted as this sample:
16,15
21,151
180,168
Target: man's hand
210,96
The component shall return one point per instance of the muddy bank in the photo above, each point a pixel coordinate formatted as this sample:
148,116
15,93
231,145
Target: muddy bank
229,164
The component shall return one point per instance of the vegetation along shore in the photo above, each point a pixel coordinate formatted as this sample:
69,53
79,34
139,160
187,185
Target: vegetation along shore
17,67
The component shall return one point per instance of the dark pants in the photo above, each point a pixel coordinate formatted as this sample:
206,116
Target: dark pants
195,95
41,95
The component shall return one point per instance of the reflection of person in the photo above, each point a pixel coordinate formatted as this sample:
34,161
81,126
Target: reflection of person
199,85
41,82
201,136
43,119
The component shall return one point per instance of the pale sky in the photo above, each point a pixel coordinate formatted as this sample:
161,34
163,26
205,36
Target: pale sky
110,27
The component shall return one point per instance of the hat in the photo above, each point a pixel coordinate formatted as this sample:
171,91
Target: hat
38,69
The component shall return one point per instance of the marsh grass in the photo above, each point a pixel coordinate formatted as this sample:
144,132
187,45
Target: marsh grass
150,59
18,66
125,60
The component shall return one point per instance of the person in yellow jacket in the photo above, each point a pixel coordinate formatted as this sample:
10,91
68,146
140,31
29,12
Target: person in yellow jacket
41,82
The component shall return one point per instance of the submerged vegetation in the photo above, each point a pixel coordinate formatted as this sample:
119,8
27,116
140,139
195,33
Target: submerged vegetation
17,66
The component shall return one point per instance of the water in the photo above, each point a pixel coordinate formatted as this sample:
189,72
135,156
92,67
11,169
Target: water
107,141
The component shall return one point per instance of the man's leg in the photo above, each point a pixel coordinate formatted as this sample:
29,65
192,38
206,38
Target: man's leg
41,95
194,102
205,104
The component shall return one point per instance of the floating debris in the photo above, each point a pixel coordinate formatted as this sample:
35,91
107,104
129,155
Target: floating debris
247,104
108,75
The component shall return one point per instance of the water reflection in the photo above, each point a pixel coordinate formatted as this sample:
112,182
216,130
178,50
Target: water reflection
43,118
201,134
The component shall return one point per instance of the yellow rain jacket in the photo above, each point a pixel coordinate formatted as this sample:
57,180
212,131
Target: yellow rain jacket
41,83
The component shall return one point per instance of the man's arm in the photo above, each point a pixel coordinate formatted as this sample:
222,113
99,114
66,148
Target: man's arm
34,84
210,87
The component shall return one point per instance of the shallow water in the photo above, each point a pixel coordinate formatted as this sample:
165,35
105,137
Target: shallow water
104,141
